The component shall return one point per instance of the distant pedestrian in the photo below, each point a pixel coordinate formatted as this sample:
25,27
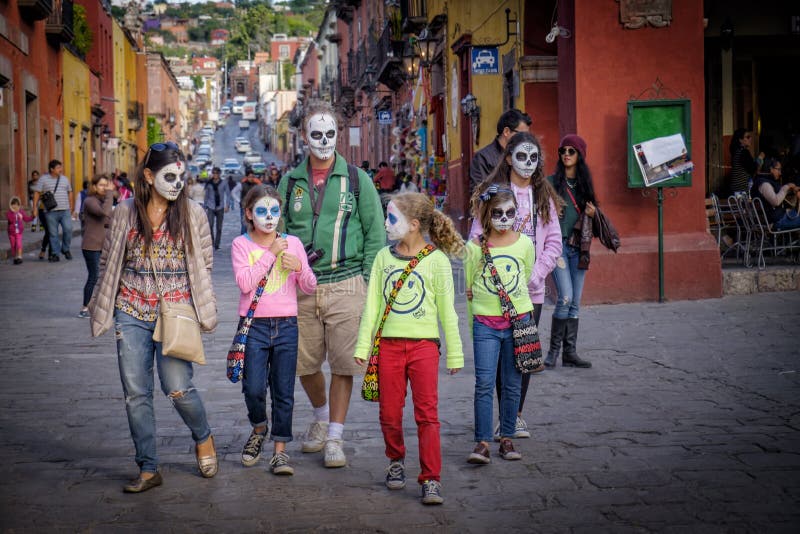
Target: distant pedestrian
157,231
486,159
97,209
385,178
271,350
59,216
249,181
513,255
46,249
16,218
216,202
409,346
195,190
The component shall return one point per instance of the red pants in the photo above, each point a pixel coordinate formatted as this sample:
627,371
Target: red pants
417,361
16,244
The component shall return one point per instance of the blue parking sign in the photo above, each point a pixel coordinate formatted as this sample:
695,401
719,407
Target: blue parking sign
485,60
384,117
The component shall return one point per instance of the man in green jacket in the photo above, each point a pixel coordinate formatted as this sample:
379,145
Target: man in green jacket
333,208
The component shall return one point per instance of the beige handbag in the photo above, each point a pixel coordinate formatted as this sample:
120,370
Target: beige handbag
177,327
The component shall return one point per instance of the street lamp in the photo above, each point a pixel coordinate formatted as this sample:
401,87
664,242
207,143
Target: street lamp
426,43
410,60
470,108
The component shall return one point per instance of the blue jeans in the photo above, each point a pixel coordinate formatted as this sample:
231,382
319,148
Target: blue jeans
492,348
569,283
55,219
136,351
271,361
92,258
789,221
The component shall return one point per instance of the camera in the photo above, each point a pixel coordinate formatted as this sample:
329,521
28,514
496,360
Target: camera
313,254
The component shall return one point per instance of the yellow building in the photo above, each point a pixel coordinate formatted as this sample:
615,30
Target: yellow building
77,119
128,109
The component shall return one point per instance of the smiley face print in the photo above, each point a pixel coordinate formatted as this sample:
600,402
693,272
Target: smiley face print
409,297
509,268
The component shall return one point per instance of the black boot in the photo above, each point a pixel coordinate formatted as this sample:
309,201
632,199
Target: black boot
571,358
557,329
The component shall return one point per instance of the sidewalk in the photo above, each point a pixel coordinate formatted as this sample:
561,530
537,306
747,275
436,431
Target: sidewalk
688,422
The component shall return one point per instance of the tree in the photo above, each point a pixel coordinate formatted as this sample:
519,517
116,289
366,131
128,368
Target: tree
83,35
198,81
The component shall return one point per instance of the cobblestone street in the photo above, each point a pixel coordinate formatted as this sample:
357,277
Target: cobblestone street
689,421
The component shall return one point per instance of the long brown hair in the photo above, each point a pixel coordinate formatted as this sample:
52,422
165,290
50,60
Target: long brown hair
178,210
543,192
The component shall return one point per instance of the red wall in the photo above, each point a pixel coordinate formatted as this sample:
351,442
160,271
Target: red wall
612,65
100,57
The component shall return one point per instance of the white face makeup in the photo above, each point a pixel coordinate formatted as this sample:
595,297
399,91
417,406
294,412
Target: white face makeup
321,130
267,214
503,216
169,180
396,223
525,159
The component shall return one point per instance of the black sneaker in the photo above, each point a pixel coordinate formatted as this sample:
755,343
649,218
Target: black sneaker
432,492
396,475
68,255
252,449
53,258
280,464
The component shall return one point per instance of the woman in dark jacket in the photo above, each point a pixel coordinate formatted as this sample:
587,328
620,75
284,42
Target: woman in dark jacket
743,166
573,183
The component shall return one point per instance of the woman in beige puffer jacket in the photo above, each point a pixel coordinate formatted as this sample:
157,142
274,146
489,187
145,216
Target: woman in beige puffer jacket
159,244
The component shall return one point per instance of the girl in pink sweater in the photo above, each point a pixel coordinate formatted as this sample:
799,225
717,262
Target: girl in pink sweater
17,218
271,350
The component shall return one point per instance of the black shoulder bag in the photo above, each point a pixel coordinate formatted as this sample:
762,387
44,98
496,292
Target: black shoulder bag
49,198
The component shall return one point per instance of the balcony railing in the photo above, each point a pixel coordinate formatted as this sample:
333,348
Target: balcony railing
389,60
414,14
59,23
35,9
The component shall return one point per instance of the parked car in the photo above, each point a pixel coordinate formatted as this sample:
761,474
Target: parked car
242,145
251,157
193,169
201,160
226,109
231,166
259,167
244,124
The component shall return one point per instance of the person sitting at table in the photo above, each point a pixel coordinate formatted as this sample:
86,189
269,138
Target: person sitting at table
768,188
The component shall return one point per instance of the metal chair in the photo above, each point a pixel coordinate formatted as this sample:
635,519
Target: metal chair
779,242
722,217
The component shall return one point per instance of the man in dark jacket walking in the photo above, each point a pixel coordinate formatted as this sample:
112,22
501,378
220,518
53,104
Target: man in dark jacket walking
487,158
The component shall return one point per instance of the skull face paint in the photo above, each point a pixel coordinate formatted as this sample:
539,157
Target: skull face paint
321,128
169,180
503,216
525,159
266,214
396,223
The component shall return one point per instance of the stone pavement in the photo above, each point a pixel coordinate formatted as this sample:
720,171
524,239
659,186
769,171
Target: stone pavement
689,421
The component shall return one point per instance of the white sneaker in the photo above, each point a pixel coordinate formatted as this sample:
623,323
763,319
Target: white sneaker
521,429
497,432
315,437
334,455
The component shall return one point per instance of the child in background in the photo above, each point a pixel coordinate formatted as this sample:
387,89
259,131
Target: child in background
493,344
271,350
17,218
409,346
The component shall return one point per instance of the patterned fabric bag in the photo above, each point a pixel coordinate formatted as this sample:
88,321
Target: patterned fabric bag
369,387
527,347
236,352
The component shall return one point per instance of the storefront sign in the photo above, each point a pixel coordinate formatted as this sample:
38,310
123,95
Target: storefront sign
384,117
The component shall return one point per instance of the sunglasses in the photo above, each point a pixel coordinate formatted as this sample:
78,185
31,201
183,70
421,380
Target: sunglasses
160,147
568,150
510,213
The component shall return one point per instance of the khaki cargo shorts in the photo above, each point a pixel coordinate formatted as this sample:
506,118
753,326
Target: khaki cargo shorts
327,324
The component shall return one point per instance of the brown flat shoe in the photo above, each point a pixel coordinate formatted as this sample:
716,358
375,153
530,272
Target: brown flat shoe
480,455
208,465
140,484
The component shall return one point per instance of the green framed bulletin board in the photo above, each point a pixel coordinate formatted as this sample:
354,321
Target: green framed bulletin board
650,119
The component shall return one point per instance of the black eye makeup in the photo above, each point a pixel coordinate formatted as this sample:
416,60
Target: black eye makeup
510,213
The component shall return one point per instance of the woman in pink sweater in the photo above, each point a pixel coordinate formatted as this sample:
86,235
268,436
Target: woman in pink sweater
271,350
